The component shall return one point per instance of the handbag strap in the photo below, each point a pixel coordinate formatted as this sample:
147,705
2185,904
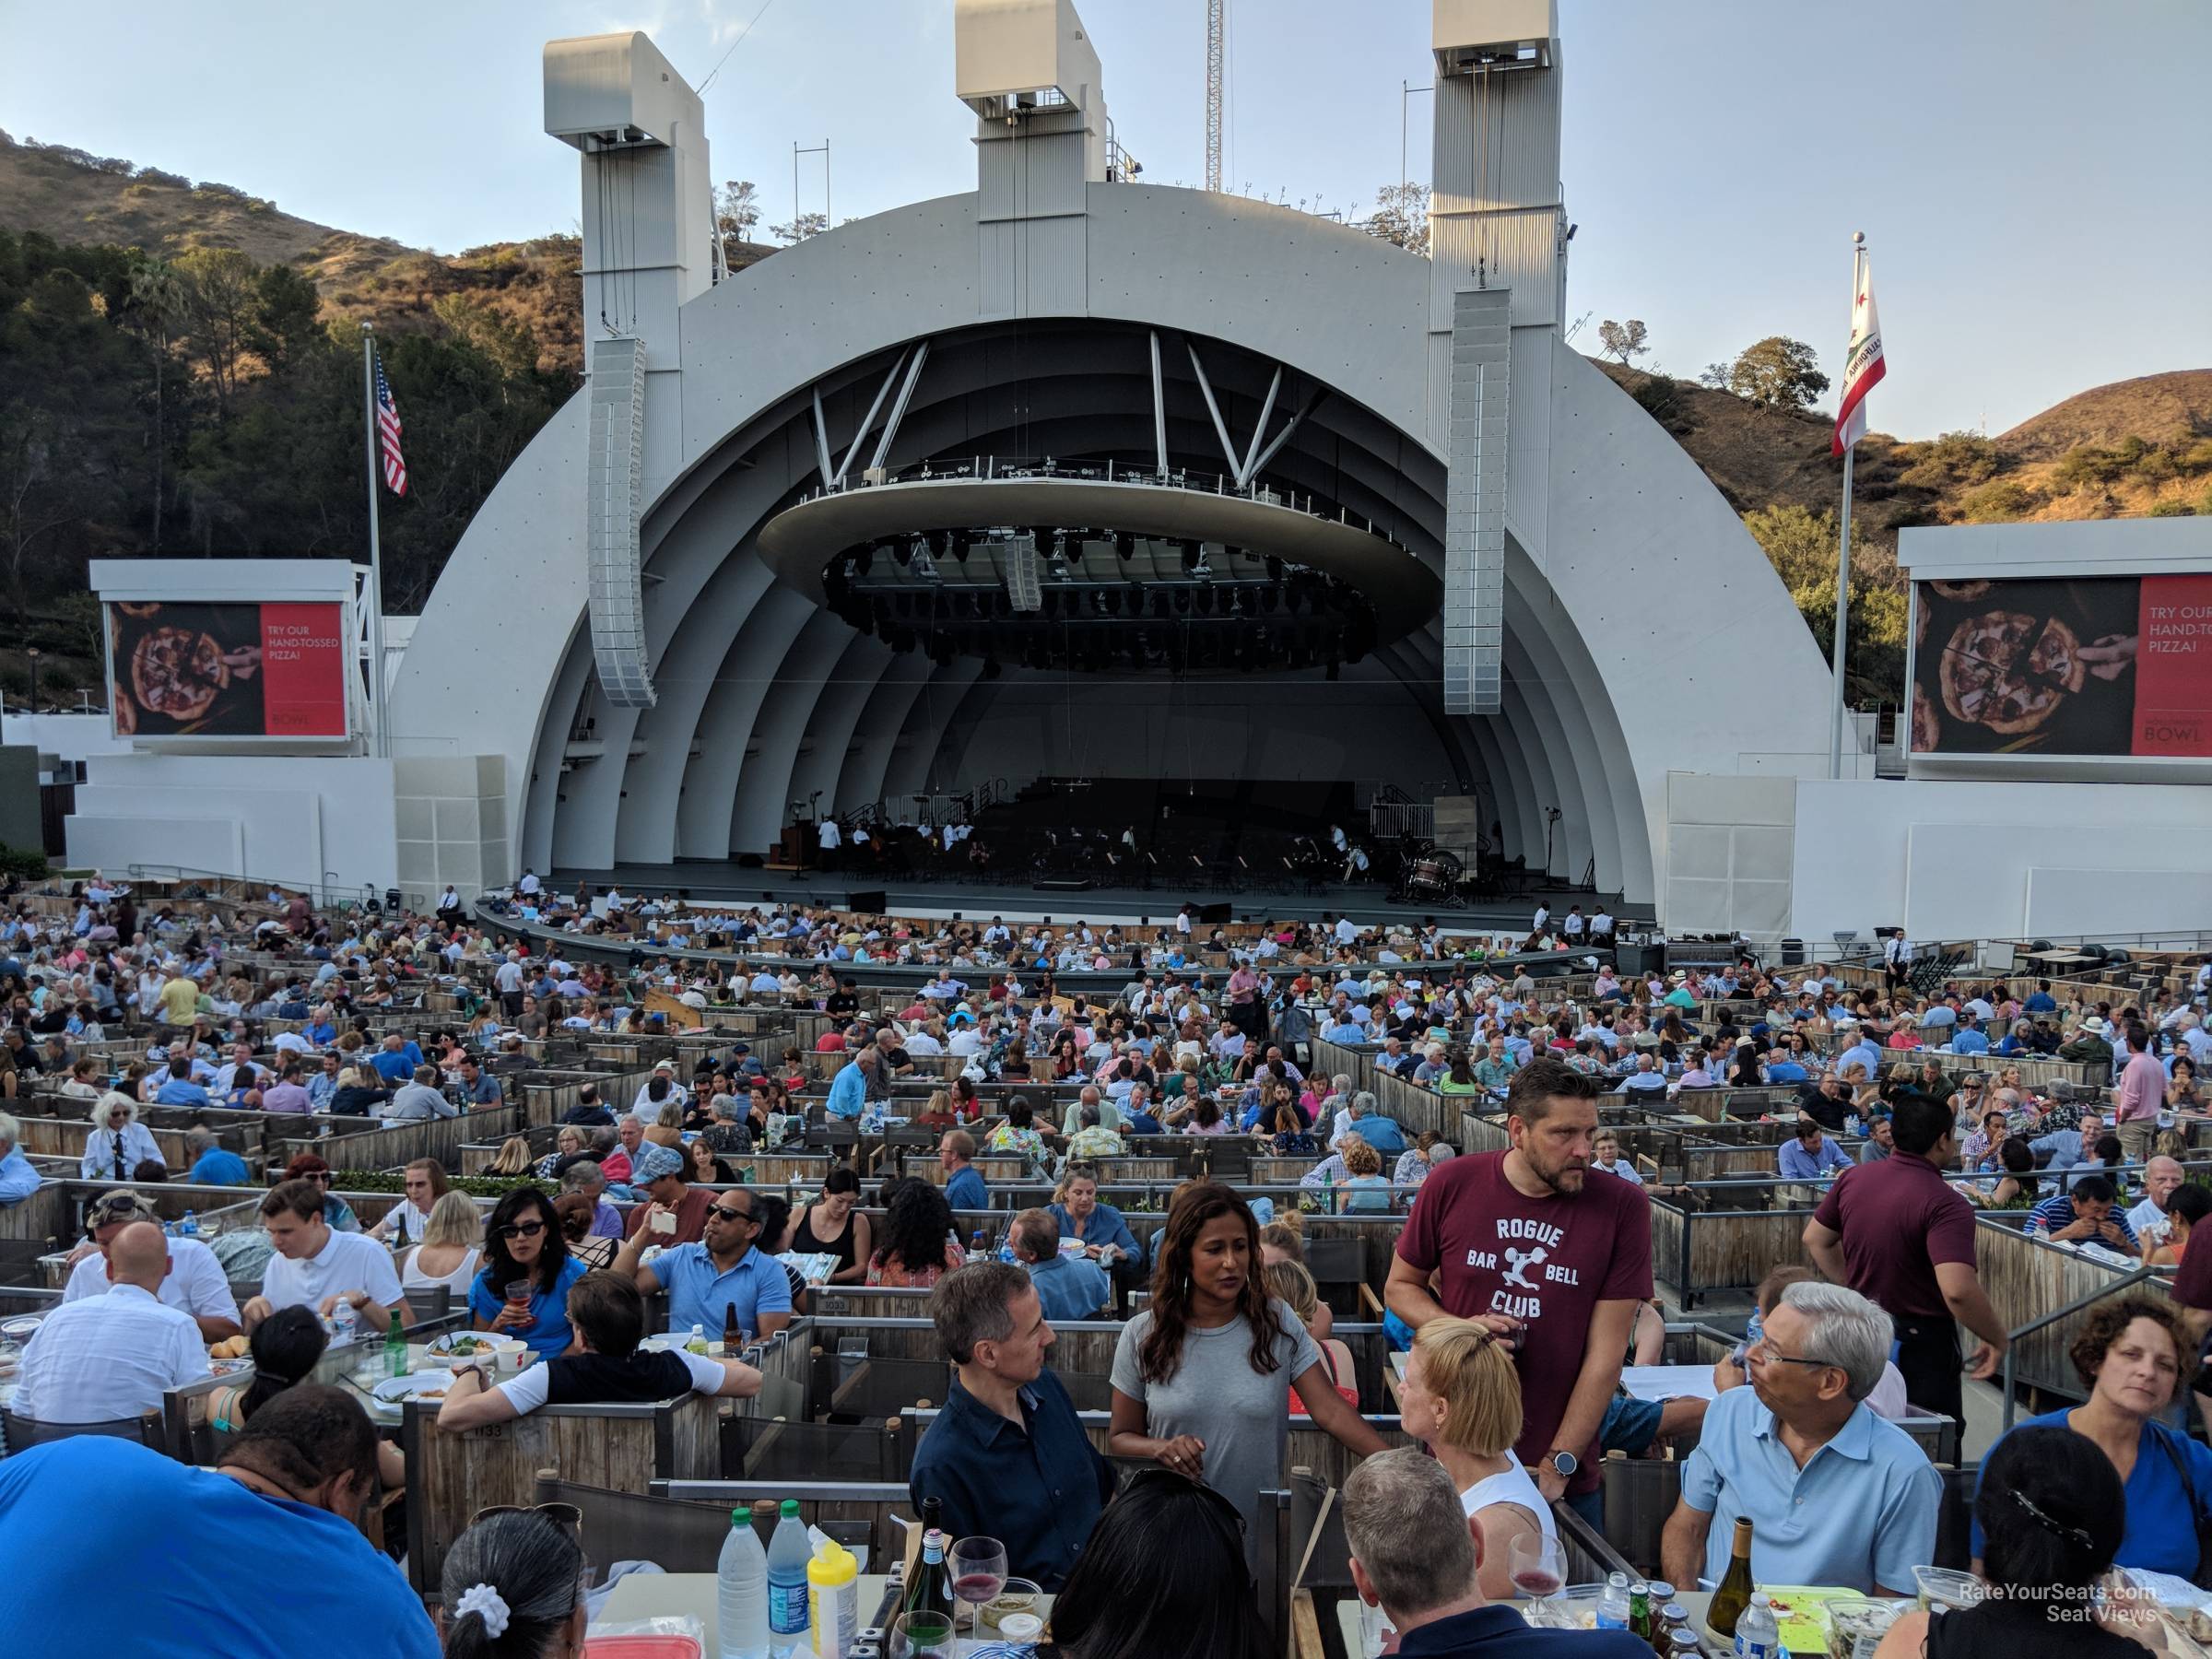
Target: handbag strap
2197,1520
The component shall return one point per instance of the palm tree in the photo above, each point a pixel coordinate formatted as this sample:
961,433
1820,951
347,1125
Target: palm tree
156,303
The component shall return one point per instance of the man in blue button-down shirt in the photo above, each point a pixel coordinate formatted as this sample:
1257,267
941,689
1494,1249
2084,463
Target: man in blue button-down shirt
1070,1286
1811,1155
1835,1495
18,1180
1007,1457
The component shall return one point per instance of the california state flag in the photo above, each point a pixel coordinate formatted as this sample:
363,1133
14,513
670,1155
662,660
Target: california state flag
1862,363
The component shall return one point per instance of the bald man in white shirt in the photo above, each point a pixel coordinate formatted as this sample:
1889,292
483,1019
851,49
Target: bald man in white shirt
108,1358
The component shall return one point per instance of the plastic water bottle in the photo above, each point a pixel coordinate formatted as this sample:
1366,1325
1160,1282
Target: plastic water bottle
741,1592
1757,1634
190,1227
344,1325
788,1555
1613,1603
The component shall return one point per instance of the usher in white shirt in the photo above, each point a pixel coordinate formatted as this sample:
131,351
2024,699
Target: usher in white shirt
107,1358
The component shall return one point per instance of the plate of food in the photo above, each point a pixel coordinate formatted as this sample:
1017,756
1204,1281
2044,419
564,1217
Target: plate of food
474,1344
415,1385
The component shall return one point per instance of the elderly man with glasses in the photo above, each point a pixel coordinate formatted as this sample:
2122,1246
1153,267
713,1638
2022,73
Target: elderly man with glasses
1835,1495
722,1272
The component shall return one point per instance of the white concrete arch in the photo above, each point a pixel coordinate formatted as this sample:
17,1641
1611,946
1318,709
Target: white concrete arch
1625,565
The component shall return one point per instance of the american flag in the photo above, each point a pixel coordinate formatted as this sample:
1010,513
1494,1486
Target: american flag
387,429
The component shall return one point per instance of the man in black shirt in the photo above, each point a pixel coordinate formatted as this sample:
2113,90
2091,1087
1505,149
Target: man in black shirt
843,1003
1827,1102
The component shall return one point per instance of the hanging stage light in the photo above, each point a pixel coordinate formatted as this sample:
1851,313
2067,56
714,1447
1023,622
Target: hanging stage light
1275,570
1124,545
1191,556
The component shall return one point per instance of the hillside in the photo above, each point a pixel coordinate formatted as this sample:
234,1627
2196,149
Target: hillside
220,413
74,197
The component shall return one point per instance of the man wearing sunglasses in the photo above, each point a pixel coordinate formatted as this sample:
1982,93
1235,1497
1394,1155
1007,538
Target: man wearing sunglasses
1835,1495
721,1271
194,1282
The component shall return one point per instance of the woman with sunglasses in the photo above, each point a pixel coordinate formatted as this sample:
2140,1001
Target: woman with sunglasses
1202,1378
336,1213
524,1252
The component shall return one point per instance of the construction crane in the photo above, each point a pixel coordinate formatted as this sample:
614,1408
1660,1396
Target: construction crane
1213,94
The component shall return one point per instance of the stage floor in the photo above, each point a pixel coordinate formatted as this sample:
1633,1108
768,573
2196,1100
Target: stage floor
1119,906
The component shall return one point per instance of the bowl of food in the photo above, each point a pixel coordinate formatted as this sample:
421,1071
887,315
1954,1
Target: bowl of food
1856,1626
504,1351
415,1385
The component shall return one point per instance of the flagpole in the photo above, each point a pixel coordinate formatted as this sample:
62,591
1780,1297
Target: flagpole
382,744
1835,740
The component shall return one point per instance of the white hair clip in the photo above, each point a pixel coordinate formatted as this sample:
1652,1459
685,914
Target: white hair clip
488,1604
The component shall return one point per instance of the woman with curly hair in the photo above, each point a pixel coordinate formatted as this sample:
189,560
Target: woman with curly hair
1202,1377
917,1247
2135,1360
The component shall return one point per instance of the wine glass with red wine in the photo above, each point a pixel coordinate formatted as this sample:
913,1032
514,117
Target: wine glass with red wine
978,1569
1540,1566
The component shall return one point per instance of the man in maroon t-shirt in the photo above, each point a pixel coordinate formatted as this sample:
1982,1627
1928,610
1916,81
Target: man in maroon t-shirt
1524,1243
1900,1235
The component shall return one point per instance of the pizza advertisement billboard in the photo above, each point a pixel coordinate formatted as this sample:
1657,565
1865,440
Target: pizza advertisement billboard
2096,666
227,670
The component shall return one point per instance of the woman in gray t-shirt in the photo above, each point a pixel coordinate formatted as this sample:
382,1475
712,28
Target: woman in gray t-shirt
1202,1377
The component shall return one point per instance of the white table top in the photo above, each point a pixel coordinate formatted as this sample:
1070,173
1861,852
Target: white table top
658,1595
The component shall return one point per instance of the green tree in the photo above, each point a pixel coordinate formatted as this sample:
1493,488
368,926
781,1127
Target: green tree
1401,215
1622,340
1952,458
804,226
1802,546
222,301
1777,374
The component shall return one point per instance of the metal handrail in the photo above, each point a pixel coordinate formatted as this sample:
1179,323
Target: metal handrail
2012,1338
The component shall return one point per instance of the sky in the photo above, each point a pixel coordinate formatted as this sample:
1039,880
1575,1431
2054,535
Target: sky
2030,173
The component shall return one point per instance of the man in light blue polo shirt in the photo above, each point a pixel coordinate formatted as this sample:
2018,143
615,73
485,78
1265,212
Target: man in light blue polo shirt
707,1278
1835,1495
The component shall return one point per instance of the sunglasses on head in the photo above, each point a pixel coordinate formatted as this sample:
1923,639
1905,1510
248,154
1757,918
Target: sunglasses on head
519,1229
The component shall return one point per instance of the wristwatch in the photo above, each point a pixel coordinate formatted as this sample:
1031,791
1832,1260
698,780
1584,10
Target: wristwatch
1564,1464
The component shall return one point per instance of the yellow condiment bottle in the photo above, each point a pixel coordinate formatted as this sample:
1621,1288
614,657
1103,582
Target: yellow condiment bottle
833,1599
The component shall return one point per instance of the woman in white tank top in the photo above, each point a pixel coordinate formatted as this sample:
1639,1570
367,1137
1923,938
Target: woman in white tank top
1461,1397
451,1252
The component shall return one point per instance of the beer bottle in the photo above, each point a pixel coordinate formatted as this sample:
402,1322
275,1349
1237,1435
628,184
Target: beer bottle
733,1339
1735,1593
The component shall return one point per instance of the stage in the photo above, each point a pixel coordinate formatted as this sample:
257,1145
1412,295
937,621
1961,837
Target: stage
1366,903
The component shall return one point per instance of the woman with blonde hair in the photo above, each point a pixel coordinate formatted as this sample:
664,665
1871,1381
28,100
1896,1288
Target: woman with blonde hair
1461,1397
452,1247
668,1129
1289,1281
514,1157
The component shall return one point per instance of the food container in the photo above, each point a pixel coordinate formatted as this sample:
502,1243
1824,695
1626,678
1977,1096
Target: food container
1021,1627
1573,1608
1941,1589
1017,1597
1855,1627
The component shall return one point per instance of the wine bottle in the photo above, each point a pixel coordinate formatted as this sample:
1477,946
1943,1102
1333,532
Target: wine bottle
931,1591
1735,1593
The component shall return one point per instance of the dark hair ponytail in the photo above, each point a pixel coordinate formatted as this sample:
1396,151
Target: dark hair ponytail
285,1348
532,1564
2052,1511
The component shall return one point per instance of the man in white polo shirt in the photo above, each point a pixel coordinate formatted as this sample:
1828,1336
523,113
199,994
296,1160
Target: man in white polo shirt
107,1358
194,1285
314,1267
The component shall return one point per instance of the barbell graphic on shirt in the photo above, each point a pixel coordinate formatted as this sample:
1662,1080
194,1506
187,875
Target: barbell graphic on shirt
1518,1260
